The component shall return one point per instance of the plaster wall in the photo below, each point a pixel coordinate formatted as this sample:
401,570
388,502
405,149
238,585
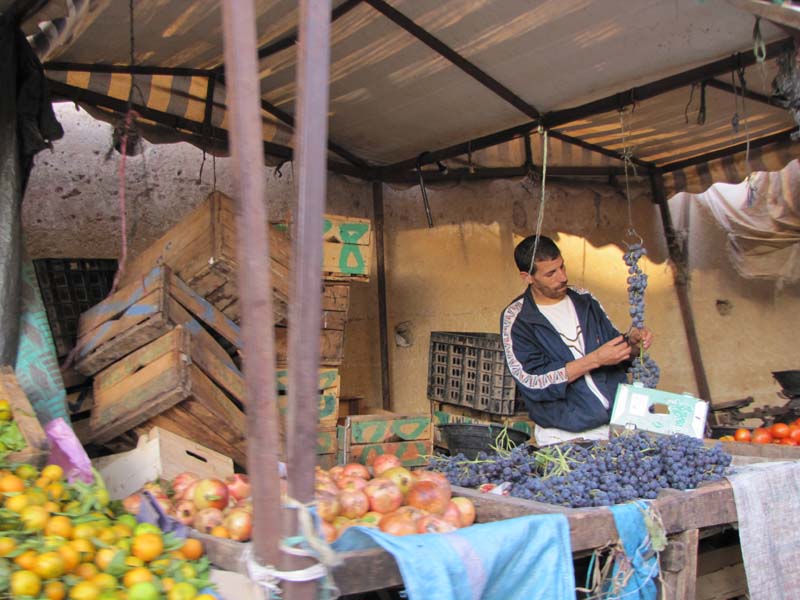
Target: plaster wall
457,276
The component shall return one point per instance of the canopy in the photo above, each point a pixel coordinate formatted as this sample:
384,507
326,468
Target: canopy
452,77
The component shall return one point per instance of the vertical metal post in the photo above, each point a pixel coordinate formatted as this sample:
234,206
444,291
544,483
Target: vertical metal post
255,290
305,310
678,264
377,212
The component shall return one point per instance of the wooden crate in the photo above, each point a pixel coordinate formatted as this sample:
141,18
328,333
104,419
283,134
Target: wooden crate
159,454
335,304
346,248
201,249
363,437
329,386
142,311
178,382
443,413
327,446
37,446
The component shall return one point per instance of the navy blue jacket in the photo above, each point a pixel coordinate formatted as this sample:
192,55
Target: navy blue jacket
536,356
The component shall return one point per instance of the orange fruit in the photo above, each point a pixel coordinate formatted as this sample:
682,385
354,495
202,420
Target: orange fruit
17,503
105,581
86,570
84,531
26,560
85,548
25,583
147,546
70,556
104,557
49,565
59,525
192,549
220,531
26,471
55,491
182,591
121,530
11,483
136,575
84,590
55,590
7,545
143,590
34,518
53,473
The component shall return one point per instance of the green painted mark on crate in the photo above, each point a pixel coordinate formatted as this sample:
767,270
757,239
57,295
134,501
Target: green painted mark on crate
327,405
351,261
410,429
368,431
327,378
326,226
326,442
411,454
351,233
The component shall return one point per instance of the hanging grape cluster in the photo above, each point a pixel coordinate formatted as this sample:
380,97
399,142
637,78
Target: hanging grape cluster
643,369
631,466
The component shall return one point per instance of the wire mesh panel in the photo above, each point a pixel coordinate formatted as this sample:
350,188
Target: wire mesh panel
469,369
69,287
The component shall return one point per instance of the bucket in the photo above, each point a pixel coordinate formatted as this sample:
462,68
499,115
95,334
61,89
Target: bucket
471,438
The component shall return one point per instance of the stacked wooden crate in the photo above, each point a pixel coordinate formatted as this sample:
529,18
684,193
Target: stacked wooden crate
164,349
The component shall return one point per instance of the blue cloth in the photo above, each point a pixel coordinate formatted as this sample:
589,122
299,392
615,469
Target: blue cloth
639,569
524,558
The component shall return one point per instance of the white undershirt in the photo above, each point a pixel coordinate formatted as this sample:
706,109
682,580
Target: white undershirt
564,319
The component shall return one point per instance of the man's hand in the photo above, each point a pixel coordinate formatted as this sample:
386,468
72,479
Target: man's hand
612,352
641,336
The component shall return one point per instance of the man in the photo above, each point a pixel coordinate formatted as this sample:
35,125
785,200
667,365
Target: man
563,351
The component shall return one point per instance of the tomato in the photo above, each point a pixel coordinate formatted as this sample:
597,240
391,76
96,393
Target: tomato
762,436
779,430
788,442
742,435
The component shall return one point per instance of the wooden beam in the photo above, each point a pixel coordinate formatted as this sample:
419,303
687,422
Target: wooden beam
130,69
377,214
598,149
480,173
662,86
454,57
747,93
781,136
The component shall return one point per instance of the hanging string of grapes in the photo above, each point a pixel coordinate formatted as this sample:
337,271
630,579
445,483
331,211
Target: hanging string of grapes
643,368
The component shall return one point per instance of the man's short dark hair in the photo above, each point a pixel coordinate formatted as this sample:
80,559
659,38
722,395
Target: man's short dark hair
546,249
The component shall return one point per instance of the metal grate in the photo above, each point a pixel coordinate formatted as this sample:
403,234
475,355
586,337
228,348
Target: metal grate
69,287
469,369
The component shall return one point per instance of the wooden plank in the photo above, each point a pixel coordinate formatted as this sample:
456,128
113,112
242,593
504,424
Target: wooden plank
331,346
349,230
328,385
36,443
180,316
772,451
412,454
123,369
203,310
377,428
222,372
336,297
721,574
326,440
209,403
349,262
679,565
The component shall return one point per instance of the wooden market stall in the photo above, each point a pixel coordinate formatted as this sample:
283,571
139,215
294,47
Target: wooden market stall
685,515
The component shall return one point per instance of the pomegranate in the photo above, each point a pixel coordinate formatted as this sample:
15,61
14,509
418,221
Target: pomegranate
132,503
383,494
356,470
239,524
328,506
466,508
211,493
184,511
429,496
238,486
351,482
353,503
384,462
434,524
336,472
328,531
397,523
207,518
401,477
183,480
452,515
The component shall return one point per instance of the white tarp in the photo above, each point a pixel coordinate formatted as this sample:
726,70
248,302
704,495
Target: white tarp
761,217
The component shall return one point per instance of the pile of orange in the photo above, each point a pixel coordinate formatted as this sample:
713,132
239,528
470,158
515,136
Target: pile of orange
787,434
61,540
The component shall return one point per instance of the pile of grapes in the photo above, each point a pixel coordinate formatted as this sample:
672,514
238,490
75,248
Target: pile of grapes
630,466
644,369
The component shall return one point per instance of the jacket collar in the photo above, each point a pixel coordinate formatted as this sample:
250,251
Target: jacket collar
532,313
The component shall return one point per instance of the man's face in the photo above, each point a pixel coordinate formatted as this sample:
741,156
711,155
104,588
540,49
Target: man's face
549,282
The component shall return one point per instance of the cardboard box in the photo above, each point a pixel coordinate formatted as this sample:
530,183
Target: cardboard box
37,446
159,454
638,407
363,437
141,312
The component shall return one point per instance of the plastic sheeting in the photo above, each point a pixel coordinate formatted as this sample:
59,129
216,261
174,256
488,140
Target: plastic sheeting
761,217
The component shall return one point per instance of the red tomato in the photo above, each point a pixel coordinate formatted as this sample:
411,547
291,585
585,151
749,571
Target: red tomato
779,430
762,436
794,433
742,435
788,442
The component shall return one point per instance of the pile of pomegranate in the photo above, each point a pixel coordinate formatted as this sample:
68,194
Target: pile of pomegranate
392,498
219,507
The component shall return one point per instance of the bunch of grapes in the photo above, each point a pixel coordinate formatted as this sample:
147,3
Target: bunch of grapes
644,369
633,465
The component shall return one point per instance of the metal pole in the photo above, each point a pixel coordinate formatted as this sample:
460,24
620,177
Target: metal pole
678,264
305,309
377,212
255,290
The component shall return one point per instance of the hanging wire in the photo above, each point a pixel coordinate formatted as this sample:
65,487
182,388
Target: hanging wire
627,155
540,218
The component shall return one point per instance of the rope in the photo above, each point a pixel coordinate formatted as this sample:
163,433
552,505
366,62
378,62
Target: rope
540,218
129,117
627,156
269,577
